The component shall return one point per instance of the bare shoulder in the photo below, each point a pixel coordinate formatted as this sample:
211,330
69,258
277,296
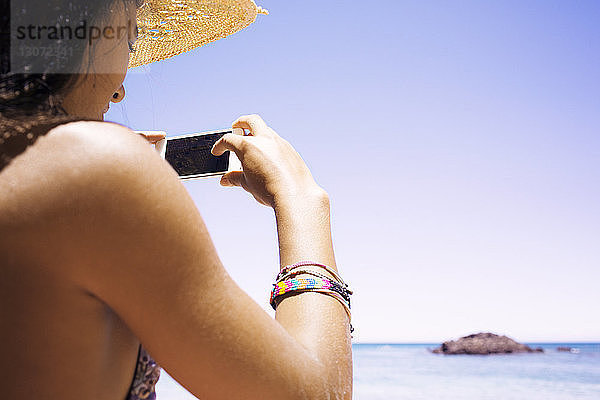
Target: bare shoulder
100,154
92,147
73,146
90,131
74,166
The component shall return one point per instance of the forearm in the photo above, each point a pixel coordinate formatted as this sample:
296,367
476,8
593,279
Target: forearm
319,322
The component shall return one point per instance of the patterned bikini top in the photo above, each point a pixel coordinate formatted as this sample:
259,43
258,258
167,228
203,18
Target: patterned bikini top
146,375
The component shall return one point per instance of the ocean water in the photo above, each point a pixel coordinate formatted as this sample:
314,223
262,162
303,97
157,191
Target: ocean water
410,371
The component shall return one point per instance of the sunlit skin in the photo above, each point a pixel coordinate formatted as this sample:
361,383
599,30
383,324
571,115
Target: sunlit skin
92,94
102,248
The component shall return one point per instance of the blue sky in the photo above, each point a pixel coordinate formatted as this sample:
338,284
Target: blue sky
459,143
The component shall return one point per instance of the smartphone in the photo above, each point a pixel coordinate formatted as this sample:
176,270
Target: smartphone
190,155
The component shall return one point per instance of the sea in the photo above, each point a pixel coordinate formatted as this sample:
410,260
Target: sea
411,371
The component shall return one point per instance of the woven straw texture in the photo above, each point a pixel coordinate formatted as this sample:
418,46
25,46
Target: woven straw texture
170,27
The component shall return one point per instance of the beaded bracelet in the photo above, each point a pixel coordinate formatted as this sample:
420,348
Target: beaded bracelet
300,285
287,268
303,284
295,284
299,271
336,288
344,291
335,295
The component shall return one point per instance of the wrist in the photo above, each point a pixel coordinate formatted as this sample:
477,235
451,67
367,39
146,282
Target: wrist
311,198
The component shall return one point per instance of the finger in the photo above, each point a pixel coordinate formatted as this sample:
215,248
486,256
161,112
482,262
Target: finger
153,136
234,178
254,123
229,141
260,201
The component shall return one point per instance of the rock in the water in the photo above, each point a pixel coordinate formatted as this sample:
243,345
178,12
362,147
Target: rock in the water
568,349
484,343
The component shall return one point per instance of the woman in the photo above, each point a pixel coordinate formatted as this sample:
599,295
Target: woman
103,249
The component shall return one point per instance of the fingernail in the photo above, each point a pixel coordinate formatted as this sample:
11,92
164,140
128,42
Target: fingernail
225,182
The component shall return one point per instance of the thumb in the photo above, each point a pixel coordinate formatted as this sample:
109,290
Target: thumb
234,178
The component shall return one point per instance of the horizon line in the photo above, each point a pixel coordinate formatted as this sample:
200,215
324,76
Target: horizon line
534,342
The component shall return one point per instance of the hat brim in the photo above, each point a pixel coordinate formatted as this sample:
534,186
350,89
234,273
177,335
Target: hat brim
167,28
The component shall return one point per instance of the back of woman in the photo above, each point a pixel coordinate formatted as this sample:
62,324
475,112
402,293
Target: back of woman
88,299
58,340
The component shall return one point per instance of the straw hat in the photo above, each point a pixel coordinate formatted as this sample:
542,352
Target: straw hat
170,27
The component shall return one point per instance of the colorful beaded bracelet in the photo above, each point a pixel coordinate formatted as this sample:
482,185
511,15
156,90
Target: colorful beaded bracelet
288,268
344,291
298,271
336,288
308,284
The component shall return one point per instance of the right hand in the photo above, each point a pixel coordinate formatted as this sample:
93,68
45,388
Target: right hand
273,171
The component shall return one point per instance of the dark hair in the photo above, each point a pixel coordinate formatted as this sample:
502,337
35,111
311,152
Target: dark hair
41,92
30,103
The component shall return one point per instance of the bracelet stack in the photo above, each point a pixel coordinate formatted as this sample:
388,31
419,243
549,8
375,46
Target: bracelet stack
286,283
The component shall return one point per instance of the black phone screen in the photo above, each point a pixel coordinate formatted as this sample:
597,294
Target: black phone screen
191,155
